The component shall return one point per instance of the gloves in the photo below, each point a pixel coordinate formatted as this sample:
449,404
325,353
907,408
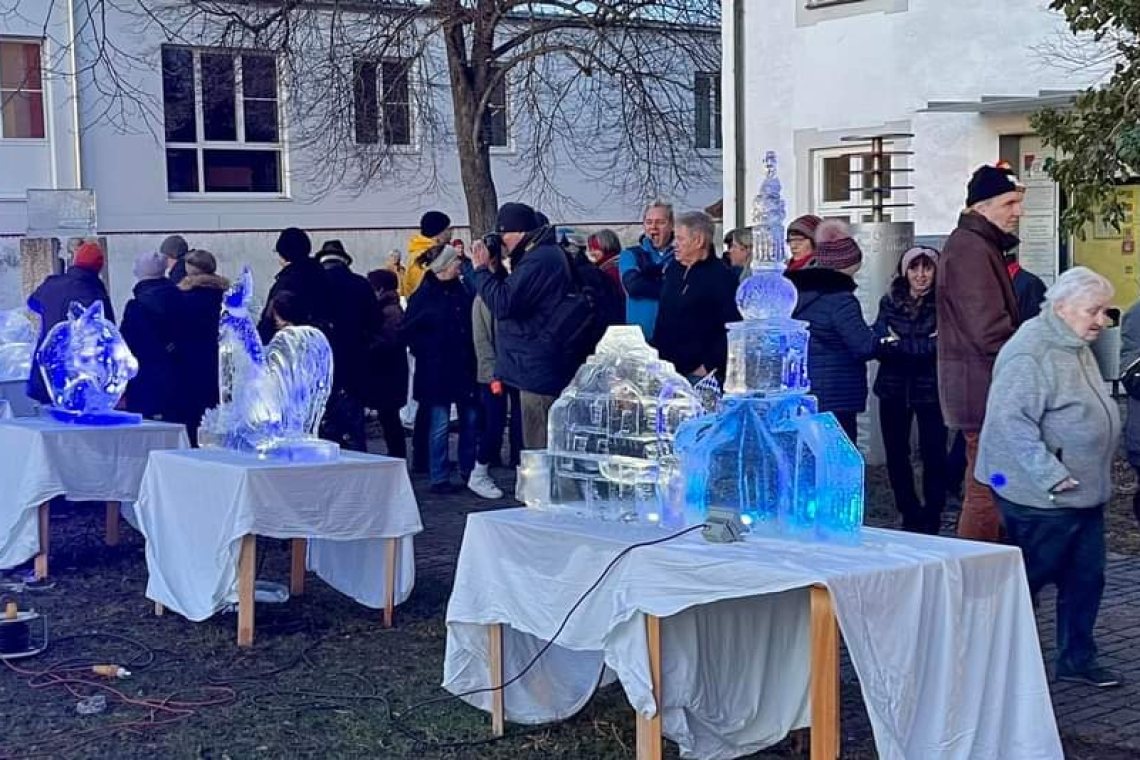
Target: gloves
496,387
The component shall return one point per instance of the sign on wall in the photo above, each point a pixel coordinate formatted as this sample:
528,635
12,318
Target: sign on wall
1040,242
1112,252
61,214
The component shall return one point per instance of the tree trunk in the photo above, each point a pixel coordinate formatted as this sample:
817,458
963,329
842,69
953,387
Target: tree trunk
474,153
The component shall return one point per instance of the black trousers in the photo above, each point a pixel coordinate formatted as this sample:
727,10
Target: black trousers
393,427
849,421
895,419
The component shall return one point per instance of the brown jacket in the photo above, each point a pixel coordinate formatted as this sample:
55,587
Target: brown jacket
977,314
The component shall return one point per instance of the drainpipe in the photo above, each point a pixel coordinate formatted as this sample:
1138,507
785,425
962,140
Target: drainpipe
739,118
72,59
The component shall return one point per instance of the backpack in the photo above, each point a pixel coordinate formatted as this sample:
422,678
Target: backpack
579,320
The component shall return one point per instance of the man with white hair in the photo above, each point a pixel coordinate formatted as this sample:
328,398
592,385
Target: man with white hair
977,314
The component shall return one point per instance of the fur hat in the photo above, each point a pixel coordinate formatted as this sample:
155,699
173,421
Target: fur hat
89,256
834,246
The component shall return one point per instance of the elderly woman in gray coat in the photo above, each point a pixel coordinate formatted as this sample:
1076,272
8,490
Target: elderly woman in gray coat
1046,449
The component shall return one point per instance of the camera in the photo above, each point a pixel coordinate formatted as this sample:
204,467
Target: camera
494,244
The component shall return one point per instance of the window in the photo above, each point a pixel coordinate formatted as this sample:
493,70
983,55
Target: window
223,131
495,128
843,178
21,91
706,101
383,102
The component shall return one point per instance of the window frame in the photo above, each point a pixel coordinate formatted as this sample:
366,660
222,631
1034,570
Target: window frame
715,109
43,91
858,194
509,147
381,105
201,145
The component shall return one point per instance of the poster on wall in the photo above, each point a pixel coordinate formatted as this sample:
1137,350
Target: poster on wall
1041,209
1111,251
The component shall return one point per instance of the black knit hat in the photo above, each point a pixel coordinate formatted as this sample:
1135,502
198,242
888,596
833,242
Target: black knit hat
516,217
433,223
293,244
990,182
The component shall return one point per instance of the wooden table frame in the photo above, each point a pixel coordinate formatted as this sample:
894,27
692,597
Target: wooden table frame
111,535
825,706
247,579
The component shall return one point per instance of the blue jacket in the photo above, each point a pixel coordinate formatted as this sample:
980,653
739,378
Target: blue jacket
642,275
51,301
840,343
526,357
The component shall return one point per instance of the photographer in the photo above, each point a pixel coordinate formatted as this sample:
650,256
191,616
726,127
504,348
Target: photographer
529,356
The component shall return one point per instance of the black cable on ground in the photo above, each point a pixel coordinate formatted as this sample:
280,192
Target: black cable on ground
398,719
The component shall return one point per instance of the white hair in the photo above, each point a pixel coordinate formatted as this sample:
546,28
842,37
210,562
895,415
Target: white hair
698,222
1079,284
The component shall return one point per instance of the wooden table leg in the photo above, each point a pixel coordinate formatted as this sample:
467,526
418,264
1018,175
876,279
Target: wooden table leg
649,729
159,609
112,530
498,710
391,547
41,562
247,576
824,676
297,570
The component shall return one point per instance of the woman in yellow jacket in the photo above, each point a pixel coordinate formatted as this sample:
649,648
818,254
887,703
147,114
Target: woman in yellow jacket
435,228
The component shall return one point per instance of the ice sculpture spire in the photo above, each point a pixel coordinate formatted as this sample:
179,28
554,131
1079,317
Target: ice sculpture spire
767,294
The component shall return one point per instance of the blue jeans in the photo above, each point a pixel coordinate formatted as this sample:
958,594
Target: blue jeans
1065,547
439,466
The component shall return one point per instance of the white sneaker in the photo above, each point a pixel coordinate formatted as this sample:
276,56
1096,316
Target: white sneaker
482,485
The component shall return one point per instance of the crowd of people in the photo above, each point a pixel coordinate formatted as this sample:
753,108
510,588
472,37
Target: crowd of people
968,345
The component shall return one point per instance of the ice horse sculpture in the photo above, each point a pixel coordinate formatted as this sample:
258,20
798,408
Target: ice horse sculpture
610,437
86,366
17,344
271,397
768,454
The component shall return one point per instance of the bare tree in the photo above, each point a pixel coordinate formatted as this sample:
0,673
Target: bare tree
606,84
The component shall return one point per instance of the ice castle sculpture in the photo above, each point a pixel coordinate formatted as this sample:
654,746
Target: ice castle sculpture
271,397
17,344
610,437
86,366
768,454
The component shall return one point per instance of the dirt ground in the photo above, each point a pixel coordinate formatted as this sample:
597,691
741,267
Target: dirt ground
323,680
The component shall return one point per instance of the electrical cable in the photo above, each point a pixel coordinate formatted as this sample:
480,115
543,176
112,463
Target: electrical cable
398,719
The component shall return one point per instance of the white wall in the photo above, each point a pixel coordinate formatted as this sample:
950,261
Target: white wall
857,72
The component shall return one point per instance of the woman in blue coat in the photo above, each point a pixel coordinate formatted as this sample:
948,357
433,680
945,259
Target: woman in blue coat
907,387
841,343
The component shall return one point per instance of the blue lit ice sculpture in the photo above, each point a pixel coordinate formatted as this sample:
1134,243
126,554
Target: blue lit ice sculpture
86,366
768,454
610,437
272,397
17,344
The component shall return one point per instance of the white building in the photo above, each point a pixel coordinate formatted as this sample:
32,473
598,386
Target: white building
220,165
962,76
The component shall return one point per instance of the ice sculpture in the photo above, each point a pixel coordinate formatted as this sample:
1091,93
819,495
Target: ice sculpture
768,454
17,344
610,437
272,397
86,366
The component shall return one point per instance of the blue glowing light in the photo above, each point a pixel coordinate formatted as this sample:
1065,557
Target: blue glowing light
86,366
998,480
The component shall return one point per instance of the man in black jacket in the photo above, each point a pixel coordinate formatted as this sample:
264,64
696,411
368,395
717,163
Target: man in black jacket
301,276
356,322
528,356
698,300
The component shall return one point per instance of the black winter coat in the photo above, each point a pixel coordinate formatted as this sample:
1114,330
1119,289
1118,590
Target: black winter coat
437,327
1029,290
388,358
51,301
527,356
202,298
306,280
178,272
153,324
908,369
840,343
697,302
355,323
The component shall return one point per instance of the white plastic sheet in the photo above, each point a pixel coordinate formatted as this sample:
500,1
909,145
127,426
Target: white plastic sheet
941,633
41,459
195,506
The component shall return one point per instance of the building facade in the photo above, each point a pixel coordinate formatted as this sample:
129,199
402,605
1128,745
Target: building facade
962,77
204,148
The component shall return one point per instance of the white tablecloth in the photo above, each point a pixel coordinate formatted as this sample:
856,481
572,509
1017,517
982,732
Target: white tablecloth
41,458
941,633
195,506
